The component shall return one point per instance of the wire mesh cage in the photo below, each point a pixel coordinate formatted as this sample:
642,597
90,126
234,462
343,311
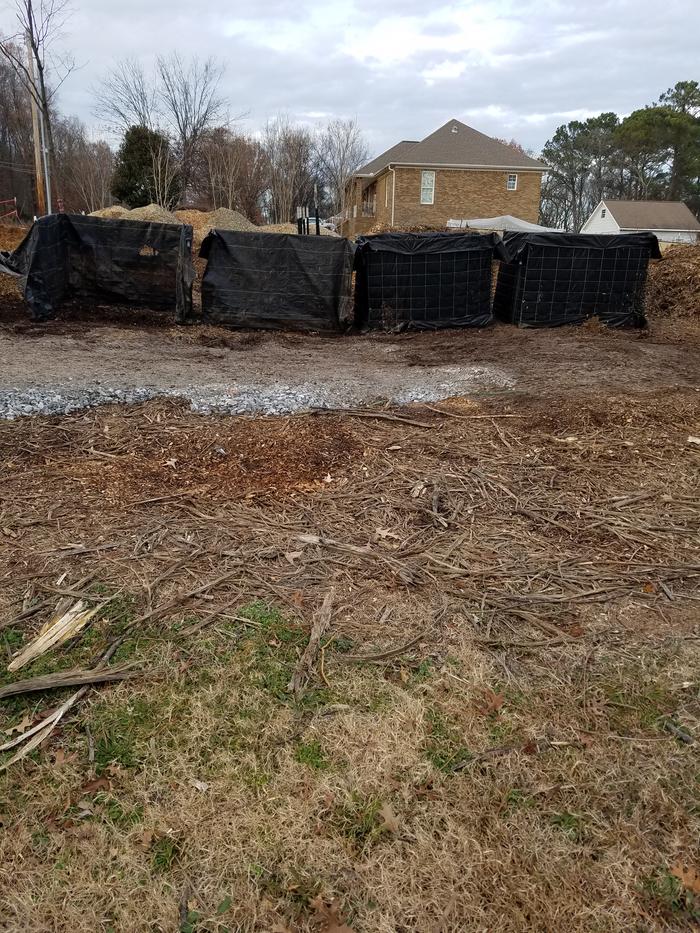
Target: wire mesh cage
423,281
553,279
276,281
70,257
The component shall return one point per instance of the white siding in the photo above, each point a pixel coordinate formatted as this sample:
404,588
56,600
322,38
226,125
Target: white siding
672,236
596,223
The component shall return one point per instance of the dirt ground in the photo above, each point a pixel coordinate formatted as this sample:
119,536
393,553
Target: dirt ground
396,668
386,367
499,728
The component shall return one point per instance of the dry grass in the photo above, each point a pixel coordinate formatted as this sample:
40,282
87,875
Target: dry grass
520,766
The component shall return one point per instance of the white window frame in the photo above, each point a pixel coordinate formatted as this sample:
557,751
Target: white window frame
512,182
427,187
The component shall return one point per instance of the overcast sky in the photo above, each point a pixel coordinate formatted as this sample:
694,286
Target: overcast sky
402,68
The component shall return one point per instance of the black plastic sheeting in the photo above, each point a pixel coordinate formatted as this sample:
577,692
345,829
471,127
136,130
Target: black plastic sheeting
424,281
550,279
277,280
68,257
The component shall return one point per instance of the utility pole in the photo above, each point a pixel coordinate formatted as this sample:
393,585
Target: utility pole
38,147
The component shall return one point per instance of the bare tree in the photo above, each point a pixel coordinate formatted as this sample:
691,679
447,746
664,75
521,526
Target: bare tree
340,151
231,172
127,97
191,104
40,24
165,171
289,150
16,154
83,167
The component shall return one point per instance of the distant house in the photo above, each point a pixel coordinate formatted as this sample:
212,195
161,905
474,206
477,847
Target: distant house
671,221
454,172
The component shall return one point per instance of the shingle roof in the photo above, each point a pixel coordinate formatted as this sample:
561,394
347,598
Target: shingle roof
652,215
455,143
391,155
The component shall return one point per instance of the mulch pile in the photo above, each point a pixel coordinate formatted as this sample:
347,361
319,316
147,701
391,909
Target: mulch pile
118,455
10,237
407,228
673,288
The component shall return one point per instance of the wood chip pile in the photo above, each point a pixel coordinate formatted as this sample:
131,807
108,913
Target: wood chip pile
673,288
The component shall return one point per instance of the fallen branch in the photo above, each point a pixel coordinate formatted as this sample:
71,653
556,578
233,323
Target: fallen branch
362,413
68,679
389,653
308,658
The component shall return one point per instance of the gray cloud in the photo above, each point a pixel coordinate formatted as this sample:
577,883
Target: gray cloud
510,69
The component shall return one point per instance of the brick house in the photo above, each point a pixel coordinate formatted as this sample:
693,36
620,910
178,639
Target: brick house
455,172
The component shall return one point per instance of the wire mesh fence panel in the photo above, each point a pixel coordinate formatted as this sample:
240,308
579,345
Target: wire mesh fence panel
423,281
72,257
276,280
553,279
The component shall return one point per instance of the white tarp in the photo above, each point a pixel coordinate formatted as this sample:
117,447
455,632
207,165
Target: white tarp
506,222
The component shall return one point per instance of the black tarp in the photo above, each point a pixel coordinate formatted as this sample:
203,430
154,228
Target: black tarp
276,280
424,280
73,257
549,279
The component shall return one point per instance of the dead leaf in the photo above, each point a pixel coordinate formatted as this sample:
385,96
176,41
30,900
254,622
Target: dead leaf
147,837
492,702
688,876
297,598
199,785
390,820
328,916
22,726
9,532
92,787
59,758
291,556
648,588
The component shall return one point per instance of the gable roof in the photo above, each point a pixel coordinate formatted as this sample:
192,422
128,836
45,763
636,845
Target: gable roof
652,215
394,154
454,144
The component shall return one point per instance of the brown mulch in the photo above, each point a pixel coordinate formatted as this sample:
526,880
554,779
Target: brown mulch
524,510
673,287
115,455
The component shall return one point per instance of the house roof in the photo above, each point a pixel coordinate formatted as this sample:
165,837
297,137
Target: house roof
454,144
652,215
391,155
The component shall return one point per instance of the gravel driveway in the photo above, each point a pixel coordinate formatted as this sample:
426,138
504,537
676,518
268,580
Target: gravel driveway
60,367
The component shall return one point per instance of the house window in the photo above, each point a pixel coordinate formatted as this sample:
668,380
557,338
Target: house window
427,187
603,212
512,182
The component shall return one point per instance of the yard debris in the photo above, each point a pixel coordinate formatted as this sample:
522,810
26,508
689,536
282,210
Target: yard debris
390,822
673,284
328,916
390,653
38,733
308,658
688,876
67,620
70,678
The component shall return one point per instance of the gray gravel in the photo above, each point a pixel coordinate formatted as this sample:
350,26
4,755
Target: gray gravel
269,399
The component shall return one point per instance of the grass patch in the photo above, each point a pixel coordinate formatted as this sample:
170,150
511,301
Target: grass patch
634,702
165,853
669,894
121,731
571,824
311,754
444,748
358,819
